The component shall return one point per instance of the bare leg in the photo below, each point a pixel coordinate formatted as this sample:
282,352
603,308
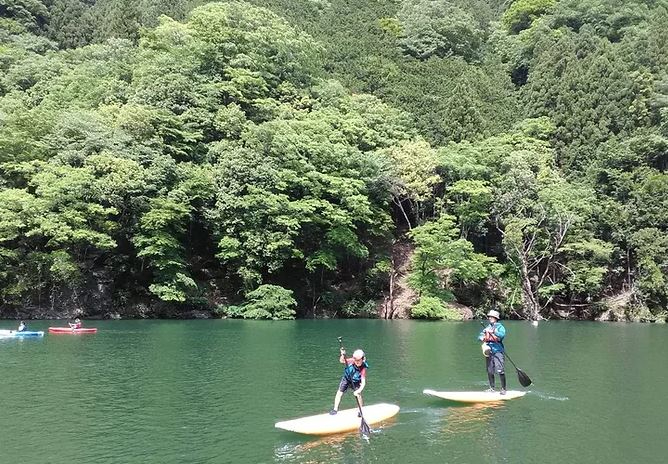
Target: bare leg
337,400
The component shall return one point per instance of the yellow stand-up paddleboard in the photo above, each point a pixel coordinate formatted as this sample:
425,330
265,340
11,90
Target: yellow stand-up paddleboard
343,421
475,396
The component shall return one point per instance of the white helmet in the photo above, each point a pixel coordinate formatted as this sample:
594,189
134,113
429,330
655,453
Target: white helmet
358,354
494,314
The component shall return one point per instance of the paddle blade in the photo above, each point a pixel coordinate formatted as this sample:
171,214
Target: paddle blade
364,428
524,379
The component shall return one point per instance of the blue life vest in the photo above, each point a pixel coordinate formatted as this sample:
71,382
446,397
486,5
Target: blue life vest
353,373
500,332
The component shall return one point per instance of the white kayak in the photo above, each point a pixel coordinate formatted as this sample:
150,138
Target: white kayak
475,396
343,421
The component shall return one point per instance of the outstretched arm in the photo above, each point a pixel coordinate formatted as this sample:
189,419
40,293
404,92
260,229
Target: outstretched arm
358,392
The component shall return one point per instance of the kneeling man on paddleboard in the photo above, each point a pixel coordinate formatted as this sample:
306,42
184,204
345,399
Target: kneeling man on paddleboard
492,337
354,377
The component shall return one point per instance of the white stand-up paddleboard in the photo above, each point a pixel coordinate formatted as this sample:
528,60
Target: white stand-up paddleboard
475,396
343,421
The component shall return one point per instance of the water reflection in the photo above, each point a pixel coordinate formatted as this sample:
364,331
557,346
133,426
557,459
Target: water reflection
456,420
344,447
474,418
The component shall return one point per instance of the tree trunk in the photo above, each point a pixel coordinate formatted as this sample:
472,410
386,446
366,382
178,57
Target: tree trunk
529,298
398,202
390,302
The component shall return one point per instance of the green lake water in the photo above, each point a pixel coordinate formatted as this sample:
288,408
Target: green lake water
210,392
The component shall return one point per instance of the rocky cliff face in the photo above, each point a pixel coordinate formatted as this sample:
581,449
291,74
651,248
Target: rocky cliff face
98,298
399,297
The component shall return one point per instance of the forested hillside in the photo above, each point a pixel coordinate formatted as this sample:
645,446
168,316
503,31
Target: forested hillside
318,158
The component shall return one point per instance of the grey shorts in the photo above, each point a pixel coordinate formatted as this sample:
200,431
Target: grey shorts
496,363
345,384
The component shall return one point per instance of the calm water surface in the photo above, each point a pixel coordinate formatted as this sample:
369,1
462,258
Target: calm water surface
210,392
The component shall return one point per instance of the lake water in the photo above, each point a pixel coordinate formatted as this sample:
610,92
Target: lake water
210,392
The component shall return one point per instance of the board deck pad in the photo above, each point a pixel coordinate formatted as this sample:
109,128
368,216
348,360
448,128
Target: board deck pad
475,396
344,421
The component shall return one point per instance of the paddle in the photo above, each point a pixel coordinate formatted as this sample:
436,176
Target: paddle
522,376
364,427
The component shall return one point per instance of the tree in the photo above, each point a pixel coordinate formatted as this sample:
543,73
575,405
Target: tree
412,177
438,28
265,302
442,259
542,219
116,19
159,243
471,201
536,211
29,14
430,307
71,23
522,13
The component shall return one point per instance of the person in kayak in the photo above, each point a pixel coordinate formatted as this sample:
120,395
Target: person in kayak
22,327
493,336
354,377
76,325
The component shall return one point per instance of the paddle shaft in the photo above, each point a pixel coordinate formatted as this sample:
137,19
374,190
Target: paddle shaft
364,427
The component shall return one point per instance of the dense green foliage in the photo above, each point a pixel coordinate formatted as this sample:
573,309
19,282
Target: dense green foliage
262,157
265,302
430,307
443,259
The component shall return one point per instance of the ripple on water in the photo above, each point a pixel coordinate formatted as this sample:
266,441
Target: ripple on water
548,396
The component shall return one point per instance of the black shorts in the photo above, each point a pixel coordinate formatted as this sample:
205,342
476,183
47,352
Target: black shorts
345,384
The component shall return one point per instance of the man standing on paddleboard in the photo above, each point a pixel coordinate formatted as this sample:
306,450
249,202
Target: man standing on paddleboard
354,377
492,337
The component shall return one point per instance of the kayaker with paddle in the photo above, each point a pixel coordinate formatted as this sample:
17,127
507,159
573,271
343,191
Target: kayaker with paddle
492,337
354,377
22,327
76,325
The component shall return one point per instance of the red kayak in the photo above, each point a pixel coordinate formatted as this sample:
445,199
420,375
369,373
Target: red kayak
68,330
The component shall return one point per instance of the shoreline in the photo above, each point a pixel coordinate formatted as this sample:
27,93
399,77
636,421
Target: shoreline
211,315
